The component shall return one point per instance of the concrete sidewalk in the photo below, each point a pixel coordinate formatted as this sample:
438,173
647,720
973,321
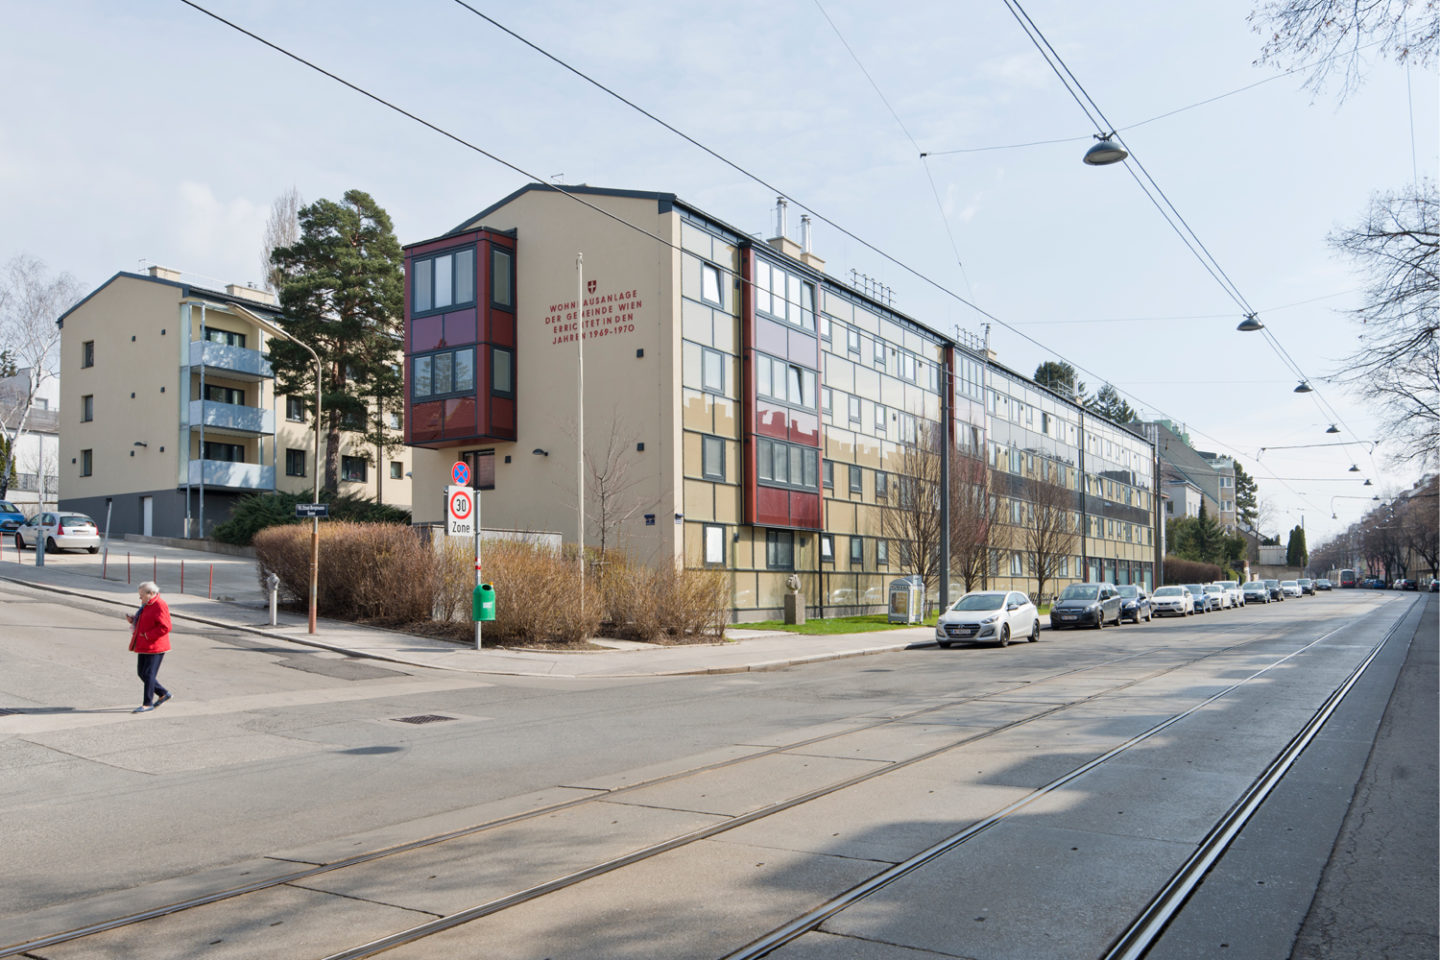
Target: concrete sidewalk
245,609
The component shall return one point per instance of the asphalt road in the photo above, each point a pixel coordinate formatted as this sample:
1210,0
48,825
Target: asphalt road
273,756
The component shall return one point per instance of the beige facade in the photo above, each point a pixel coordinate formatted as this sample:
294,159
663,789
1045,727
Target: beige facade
674,395
170,413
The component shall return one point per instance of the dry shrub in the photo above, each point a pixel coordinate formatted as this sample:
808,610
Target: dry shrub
373,572
666,605
537,592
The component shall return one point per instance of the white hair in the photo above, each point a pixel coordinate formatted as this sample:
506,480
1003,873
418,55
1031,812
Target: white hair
151,587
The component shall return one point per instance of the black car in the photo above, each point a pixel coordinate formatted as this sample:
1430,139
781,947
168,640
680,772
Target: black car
1276,592
1324,584
1134,603
1086,605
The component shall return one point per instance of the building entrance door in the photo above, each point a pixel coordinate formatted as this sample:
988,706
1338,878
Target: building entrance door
147,516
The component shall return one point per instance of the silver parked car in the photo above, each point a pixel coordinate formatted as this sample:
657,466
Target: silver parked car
989,616
1086,605
1174,601
1256,591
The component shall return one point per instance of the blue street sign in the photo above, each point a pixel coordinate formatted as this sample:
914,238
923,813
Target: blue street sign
308,510
460,473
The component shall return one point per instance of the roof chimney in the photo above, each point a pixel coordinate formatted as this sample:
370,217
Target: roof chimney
163,273
251,293
781,242
805,254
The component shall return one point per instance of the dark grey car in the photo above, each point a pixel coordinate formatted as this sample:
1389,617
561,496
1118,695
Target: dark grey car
1086,605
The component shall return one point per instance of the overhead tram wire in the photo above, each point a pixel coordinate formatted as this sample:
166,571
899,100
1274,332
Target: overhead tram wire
934,190
639,229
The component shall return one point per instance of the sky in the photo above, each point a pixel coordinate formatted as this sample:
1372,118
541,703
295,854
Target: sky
147,132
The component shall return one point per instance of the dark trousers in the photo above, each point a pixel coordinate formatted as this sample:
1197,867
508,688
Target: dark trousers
148,667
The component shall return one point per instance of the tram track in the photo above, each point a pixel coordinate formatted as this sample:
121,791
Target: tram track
534,892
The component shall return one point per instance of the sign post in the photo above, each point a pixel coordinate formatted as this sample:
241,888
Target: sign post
462,511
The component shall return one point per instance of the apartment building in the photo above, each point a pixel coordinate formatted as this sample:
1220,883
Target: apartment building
741,409
1210,473
30,411
170,412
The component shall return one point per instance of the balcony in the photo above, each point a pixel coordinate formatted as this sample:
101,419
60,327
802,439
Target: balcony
232,418
237,363
232,476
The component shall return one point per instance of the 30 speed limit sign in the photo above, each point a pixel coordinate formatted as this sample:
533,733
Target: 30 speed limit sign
459,511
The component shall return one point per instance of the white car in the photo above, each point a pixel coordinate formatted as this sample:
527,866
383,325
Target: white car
1223,599
62,531
1172,601
1232,589
1291,588
989,616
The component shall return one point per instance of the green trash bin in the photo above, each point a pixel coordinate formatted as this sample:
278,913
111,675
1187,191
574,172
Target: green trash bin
483,603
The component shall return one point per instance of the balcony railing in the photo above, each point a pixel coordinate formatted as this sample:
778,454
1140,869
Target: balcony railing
237,360
233,476
232,417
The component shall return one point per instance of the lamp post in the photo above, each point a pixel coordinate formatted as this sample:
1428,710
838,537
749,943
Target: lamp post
276,331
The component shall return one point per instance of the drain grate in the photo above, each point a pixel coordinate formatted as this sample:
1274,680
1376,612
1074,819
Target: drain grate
423,718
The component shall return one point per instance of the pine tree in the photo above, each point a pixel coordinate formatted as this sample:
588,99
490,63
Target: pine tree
1247,505
342,292
1059,377
1295,553
1108,403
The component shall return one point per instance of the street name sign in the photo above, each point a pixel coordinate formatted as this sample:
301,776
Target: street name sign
305,511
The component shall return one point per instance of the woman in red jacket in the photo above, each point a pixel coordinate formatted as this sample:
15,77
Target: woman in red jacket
150,638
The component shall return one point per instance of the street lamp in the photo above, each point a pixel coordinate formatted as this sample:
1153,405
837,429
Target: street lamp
276,331
1106,151
1304,387
1250,324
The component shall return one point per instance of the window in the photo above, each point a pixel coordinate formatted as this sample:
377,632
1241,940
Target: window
87,408
781,464
904,553
353,469
87,462
857,485
712,370
87,357
502,279
827,470
857,551
852,341
786,382
882,553
218,394
442,281
710,284
879,353
502,372
907,366
827,548
393,420
1017,565
780,549
827,399
294,462
879,419
228,337
228,452
294,409
854,409
783,295
445,374
482,468
882,485
397,470
825,327
712,458
714,538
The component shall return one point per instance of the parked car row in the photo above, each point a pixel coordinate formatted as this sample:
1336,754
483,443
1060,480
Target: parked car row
1001,616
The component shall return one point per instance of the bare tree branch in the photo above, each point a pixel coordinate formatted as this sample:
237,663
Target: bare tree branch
1334,33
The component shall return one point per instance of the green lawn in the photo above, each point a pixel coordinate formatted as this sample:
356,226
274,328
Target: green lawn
863,624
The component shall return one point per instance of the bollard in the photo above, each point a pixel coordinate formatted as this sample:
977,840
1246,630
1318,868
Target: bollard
182,576
272,583
210,590
40,547
127,566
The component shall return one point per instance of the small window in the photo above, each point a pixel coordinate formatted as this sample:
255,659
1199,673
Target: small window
502,362
825,327
294,462
226,452
87,463
854,409
502,279
353,469
880,353
710,284
714,535
1017,565
882,485
394,420
780,549
228,337
482,468
87,357
295,409
712,458
879,419
828,472
397,470
712,370
442,281
852,341
857,484
218,394
857,551
87,408
882,553
827,548
827,398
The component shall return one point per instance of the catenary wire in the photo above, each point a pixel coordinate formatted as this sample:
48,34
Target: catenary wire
620,220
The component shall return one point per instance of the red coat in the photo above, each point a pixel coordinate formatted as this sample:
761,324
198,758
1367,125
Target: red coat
151,633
